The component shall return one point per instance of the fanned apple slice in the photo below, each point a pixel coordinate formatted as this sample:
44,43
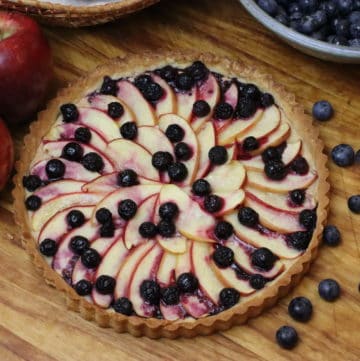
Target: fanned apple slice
207,139
231,200
290,182
136,193
145,213
175,244
192,222
273,218
167,103
185,103
291,151
129,267
231,131
190,139
273,241
183,261
133,98
146,270
242,258
129,155
101,102
154,140
209,283
270,121
226,178
209,91
58,204
255,164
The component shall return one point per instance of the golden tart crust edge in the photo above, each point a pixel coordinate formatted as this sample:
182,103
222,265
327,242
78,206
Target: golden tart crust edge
156,328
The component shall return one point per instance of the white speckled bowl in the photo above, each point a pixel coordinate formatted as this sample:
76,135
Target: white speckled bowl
319,49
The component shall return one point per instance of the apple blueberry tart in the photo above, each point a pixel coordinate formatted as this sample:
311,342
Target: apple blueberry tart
172,195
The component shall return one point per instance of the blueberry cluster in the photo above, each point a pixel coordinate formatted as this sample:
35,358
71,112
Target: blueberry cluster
334,21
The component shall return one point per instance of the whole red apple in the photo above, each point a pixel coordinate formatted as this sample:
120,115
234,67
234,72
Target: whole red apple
25,67
6,154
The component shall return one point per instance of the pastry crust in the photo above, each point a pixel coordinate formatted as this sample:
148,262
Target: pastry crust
254,304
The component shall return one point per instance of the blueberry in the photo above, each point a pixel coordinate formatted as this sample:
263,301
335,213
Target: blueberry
75,218
342,28
93,162
142,81
170,295
183,151
223,256
187,283
83,135
287,337
223,230
72,151
198,70
308,218
345,6
201,187
295,18
83,287
354,43
127,209
300,309
307,25
69,113
107,230
168,73
297,196
184,81
319,18
270,153
109,86
150,292
90,258
48,247
55,169
175,133
153,92
267,100
78,244
127,178
223,111
201,108
329,290
275,170
166,228
300,166
354,17
147,230
250,143
337,40
299,240
355,30
218,155
263,258
115,110
177,172
229,297
168,211
331,235
343,155
330,8
162,160
322,110
283,19
103,215
124,306
129,130
294,7
308,6
213,203
105,284
354,203
245,108
33,203
31,182
257,281
248,217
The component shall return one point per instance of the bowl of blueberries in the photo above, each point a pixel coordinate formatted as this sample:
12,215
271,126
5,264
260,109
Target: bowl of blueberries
326,29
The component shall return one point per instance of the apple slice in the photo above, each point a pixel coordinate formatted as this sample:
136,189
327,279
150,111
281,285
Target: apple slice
292,181
271,240
133,98
272,217
154,140
167,103
209,91
129,155
190,139
166,271
231,131
291,151
183,261
145,213
227,178
175,244
192,222
58,204
185,102
146,270
206,139
136,193
231,200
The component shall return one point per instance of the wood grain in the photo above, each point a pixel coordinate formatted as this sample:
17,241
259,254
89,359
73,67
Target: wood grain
34,322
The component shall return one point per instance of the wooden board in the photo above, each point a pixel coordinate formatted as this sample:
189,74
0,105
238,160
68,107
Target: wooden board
34,322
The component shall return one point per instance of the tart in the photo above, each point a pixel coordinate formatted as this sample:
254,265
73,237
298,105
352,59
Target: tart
172,195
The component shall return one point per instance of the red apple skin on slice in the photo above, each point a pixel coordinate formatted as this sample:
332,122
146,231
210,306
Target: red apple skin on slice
231,200
291,151
133,98
185,103
167,103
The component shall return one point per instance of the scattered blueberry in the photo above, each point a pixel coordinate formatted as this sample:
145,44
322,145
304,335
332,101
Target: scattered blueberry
198,70
75,218
308,218
184,81
248,217
153,92
257,281
223,256
170,295
213,203
322,110
90,258
72,151
275,170
329,290
297,196
147,230
250,143
177,172
354,203
269,6
129,130
69,112
48,247
201,187
300,165
109,86
127,178
187,283
331,235
223,230
162,160
343,155
55,169
168,211
79,244
150,292
263,258
127,209
166,228
218,155
142,81
267,100
287,337
183,151
107,230
31,182
229,297
103,215
124,306
245,108
299,240
105,284
83,135
115,110
223,111
300,309
270,153
83,287
201,108
33,203
168,73
93,162
175,133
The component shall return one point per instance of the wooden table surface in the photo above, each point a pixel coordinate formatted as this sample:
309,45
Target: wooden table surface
34,322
